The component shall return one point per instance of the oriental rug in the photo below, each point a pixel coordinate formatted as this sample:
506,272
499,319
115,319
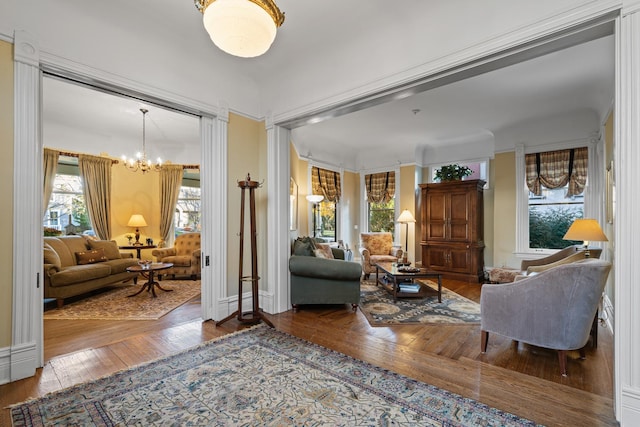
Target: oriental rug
380,309
258,377
115,304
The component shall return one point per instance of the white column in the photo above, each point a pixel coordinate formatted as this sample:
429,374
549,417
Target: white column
213,179
627,226
26,346
278,173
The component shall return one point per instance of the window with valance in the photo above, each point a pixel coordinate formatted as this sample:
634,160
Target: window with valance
380,189
556,182
326,183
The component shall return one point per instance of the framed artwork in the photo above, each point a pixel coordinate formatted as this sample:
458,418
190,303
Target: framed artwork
293,205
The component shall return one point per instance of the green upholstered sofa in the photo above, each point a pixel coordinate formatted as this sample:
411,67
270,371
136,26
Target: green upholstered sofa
317,280
67,274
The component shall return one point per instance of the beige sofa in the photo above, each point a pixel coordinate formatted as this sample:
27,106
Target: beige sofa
74,265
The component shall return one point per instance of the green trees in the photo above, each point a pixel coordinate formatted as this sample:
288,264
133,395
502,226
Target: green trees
381,216
548,226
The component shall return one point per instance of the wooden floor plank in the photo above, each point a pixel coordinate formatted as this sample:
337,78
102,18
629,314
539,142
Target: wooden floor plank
517,378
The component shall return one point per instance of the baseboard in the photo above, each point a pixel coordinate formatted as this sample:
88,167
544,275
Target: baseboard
5,365
607,315
226,306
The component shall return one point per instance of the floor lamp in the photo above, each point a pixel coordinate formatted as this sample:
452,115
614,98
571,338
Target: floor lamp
315,199
405,218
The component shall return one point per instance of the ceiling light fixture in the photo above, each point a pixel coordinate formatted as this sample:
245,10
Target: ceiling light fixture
141,163
244,28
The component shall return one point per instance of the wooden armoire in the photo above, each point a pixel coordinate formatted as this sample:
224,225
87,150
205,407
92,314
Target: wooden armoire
452,228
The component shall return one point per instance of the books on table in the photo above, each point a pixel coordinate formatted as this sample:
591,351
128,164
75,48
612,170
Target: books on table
409,287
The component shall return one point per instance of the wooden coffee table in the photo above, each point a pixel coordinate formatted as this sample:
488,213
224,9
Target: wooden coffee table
148,272
390,277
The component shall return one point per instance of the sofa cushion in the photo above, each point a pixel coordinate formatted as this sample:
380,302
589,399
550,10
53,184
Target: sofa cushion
323,250
120,265
91,256
110,247
304,246
67,257
75,243
51,256
80,273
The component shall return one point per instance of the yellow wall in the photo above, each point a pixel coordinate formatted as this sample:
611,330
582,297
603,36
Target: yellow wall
350,210
6,191
247,154
135,193
408,197
503,182
299,169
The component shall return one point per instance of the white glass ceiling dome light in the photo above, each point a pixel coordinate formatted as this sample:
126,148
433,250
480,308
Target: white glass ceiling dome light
244,28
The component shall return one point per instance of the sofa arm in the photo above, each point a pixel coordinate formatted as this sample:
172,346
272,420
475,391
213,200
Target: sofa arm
126,255
323,268
164,252
50,269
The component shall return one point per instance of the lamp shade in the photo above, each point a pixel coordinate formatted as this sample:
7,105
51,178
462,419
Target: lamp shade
137,220
406,217
587,230
315,198
243,28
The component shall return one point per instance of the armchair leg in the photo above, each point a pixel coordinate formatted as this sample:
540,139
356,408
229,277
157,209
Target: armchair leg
583,353
562,358
484,340
366,276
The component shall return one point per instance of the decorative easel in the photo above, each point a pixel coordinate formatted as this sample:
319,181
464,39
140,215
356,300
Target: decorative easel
256,314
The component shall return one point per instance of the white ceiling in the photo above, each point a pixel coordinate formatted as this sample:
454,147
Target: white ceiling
576,80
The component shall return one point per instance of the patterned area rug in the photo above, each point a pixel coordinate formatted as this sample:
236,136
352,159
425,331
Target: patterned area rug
115,305
258,377
379,308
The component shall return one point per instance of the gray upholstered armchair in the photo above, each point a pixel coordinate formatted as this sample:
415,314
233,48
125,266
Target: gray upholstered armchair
553,309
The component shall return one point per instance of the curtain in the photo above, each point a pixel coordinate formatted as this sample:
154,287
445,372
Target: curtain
326,183
380,186
170,183
49,168
554,169
96,176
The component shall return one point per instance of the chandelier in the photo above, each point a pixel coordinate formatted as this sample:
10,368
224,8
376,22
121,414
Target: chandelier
244,28
141,163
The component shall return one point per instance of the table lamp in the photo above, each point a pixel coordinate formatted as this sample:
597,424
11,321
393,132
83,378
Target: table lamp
405,218
137,221
585,230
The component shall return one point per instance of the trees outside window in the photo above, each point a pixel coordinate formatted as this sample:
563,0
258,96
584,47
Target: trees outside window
551,215
381,216
67,211
326,221
187,215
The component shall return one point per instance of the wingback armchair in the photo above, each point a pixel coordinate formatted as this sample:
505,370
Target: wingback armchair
375,248
553,309
184,255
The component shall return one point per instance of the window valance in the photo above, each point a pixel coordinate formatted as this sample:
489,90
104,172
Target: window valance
326,183
381,187
554,169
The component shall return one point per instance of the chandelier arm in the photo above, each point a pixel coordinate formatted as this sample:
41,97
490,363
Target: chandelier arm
269,6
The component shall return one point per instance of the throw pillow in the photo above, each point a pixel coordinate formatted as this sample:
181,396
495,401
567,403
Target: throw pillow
110,247
304,246
90,257
51,256
323,250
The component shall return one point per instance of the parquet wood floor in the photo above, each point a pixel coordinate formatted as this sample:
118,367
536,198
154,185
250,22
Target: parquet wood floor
521,379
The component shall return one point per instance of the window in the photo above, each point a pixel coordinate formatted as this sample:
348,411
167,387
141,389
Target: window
67,211
380,196
556,182
381,216
324,215
551,215
187,216
327,220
